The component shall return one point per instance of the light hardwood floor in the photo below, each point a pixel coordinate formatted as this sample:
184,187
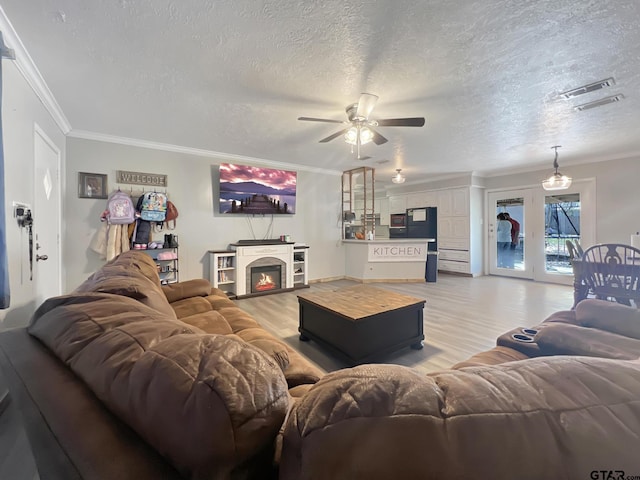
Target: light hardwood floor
462,316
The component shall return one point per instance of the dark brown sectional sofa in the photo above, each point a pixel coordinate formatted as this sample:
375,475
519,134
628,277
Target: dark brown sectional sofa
128,379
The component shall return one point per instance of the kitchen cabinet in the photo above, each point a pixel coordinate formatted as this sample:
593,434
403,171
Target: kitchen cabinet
398,204
422,199
460,230
453,202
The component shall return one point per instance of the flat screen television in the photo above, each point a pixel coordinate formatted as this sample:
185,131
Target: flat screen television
256,190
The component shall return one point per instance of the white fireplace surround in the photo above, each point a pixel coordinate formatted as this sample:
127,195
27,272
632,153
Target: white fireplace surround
246,255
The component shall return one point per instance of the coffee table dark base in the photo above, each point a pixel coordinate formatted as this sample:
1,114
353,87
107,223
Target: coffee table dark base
364,340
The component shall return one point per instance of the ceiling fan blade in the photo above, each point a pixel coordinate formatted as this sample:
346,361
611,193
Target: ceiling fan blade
401,122
335,135
364,158
365,105
377,138
310,119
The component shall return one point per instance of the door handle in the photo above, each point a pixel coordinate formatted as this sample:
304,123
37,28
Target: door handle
42,257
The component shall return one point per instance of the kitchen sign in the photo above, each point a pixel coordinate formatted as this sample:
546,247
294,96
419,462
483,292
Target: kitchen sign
397,252
139,178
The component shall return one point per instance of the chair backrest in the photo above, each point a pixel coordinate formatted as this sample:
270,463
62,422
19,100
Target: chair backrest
571,248
612,270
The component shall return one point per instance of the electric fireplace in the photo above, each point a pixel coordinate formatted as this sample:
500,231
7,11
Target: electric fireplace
265,278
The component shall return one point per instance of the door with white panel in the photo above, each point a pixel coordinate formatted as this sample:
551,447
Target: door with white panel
46,218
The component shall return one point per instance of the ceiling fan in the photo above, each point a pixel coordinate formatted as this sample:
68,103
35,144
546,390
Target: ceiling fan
360,129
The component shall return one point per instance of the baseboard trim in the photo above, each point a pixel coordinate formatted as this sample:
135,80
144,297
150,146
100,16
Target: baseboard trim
327,279
386,280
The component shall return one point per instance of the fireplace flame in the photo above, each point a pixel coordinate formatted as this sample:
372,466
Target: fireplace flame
265,282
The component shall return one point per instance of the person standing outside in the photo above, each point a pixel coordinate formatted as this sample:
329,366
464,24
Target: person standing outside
503,231
515,235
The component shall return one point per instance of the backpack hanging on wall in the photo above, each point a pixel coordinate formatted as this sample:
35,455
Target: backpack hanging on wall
141,234
153,206
169,219
120,208
172,214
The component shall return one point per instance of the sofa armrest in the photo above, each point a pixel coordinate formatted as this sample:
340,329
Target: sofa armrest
72,435
198,287
383,421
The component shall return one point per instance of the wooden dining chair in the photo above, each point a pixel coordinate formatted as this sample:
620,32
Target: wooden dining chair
573,250
612,272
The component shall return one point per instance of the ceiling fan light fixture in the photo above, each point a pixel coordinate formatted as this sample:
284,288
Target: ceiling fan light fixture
398,177
557,181
351,137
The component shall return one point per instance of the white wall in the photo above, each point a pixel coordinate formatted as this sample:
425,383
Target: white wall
192,186
21,109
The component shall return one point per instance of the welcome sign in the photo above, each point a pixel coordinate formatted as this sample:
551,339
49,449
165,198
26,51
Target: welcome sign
139,178
397,252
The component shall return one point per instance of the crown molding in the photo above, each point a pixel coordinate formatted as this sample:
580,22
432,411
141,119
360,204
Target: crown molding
32,75
166,147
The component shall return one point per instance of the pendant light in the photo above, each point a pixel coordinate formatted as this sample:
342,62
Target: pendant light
398,177
557,181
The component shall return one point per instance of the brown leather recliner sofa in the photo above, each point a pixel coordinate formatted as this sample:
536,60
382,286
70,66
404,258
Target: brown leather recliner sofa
126,379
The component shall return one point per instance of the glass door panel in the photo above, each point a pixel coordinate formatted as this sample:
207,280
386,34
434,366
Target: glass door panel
509,250
561,223
566,215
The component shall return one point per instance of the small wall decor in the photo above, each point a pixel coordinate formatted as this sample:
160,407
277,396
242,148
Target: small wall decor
92,185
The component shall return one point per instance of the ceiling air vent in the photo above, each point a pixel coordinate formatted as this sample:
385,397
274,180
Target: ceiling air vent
592,87
599,103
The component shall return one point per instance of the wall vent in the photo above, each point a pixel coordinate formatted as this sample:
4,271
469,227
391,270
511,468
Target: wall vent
599,103
592,87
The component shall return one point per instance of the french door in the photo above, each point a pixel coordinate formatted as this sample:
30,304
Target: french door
547,219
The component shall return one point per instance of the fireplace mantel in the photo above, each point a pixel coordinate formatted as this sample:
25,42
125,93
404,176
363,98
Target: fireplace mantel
247,254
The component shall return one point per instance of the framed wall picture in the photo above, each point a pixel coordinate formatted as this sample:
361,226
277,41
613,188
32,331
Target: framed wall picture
92,185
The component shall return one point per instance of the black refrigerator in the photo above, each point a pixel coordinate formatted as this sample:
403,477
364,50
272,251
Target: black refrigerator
423,223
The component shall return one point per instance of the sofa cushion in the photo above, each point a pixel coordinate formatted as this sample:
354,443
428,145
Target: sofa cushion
190,306
562,316
209,322
220,301
495,356
133,275
298,370
134,263
198,287
566,339
208,403
541,418
274,349
609,316
238,319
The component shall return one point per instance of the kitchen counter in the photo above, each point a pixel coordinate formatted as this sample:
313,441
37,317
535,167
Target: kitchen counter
391,240
380,260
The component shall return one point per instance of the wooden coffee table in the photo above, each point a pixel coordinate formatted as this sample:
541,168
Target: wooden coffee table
361,324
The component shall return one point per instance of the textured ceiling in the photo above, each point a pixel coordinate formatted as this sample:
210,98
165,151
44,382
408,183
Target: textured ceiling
233,76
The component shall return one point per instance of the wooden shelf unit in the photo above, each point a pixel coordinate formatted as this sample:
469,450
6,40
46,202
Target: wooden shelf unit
300,266
167,269
222,270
